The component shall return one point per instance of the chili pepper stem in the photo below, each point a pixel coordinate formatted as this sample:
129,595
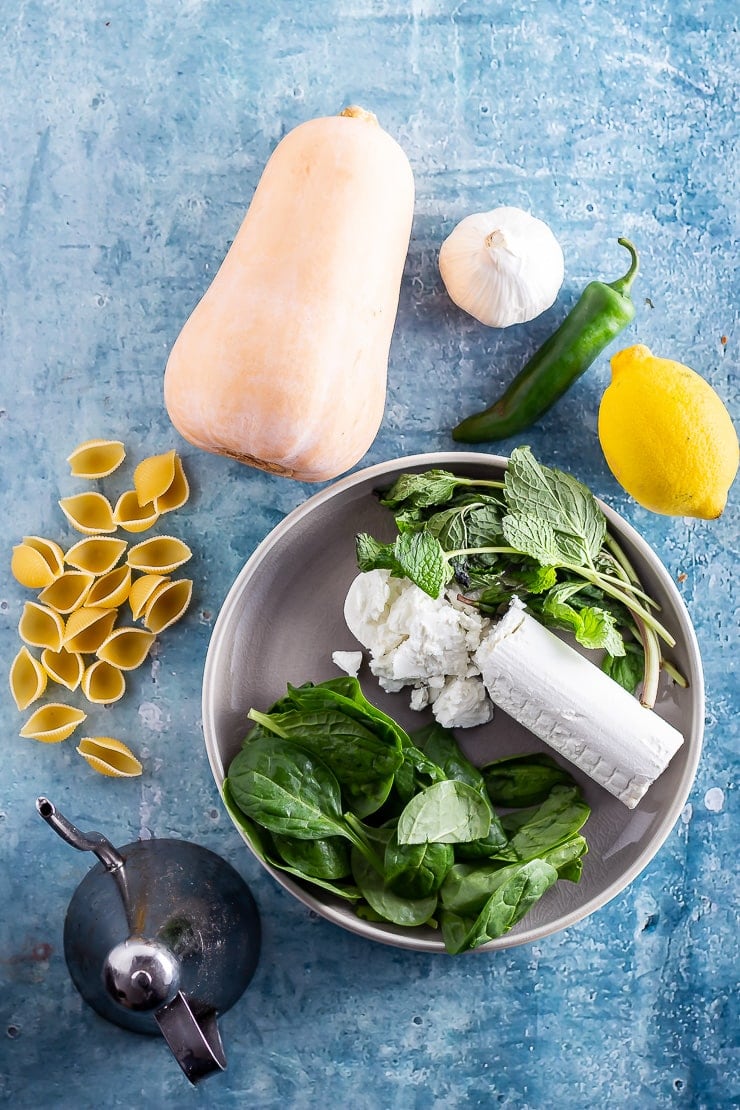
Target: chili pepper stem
623,285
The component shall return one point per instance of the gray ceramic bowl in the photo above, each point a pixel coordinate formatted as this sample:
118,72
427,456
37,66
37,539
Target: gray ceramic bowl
283,617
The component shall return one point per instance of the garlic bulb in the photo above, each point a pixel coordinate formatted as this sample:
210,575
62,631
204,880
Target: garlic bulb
503,267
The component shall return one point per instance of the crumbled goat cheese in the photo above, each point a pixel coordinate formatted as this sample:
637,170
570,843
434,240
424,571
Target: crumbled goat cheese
347,661
422,642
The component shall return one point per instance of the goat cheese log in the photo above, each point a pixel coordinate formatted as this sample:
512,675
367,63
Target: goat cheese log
567,701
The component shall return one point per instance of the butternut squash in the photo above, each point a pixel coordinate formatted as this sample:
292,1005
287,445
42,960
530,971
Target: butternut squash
283,363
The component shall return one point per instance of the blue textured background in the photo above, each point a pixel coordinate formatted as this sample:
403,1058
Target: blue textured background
132,135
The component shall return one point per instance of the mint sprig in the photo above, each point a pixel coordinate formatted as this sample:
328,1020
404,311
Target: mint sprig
543,535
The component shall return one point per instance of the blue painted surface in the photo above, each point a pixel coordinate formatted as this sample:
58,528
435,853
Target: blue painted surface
132,136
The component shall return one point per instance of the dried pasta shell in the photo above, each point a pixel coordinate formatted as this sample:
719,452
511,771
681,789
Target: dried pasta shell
41,626
52,723
153,476
89,513
142,591
64,667
177,493
159,555
103,683
96,458
167,604
111,589
133,517
96,554
27,679
126,648
68,591
50,551
36,562
109,757
88,627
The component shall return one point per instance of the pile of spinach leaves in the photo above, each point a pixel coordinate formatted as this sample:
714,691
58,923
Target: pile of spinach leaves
333,791
539,535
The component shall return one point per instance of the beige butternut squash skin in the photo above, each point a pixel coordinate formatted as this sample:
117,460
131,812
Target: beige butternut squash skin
283,363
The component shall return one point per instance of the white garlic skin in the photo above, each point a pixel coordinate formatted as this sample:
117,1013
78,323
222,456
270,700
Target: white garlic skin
503,267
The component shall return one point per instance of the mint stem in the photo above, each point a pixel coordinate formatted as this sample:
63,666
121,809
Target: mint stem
628,585
674,673
627,600
481,551
491,483
651,672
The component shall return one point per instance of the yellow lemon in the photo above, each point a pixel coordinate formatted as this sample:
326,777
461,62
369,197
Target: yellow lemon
666,435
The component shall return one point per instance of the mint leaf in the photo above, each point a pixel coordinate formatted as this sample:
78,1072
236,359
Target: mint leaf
422,559
628,669
484,525
532,537
535,580
373,555
592,626
432,487
562,615
598,630
449,527
409,520
534,491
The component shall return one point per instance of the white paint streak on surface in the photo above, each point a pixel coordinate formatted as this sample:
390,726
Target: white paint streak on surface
152,717
714,799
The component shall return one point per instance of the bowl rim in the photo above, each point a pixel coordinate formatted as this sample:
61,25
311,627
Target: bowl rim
393,935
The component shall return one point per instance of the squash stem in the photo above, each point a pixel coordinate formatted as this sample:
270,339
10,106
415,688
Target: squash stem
353,111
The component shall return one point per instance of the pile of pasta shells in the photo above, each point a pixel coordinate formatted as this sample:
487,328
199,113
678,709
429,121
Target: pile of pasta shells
83,621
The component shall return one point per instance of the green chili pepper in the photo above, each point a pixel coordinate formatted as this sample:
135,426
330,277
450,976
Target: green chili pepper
599,315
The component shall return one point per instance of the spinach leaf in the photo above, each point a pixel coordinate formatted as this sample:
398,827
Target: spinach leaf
321,859
468,886
260,841
505,907
416,773
567,858
384,901
523,780
447,812
345,693
364,765
487,846
286,790
440,745
557,819
416,870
